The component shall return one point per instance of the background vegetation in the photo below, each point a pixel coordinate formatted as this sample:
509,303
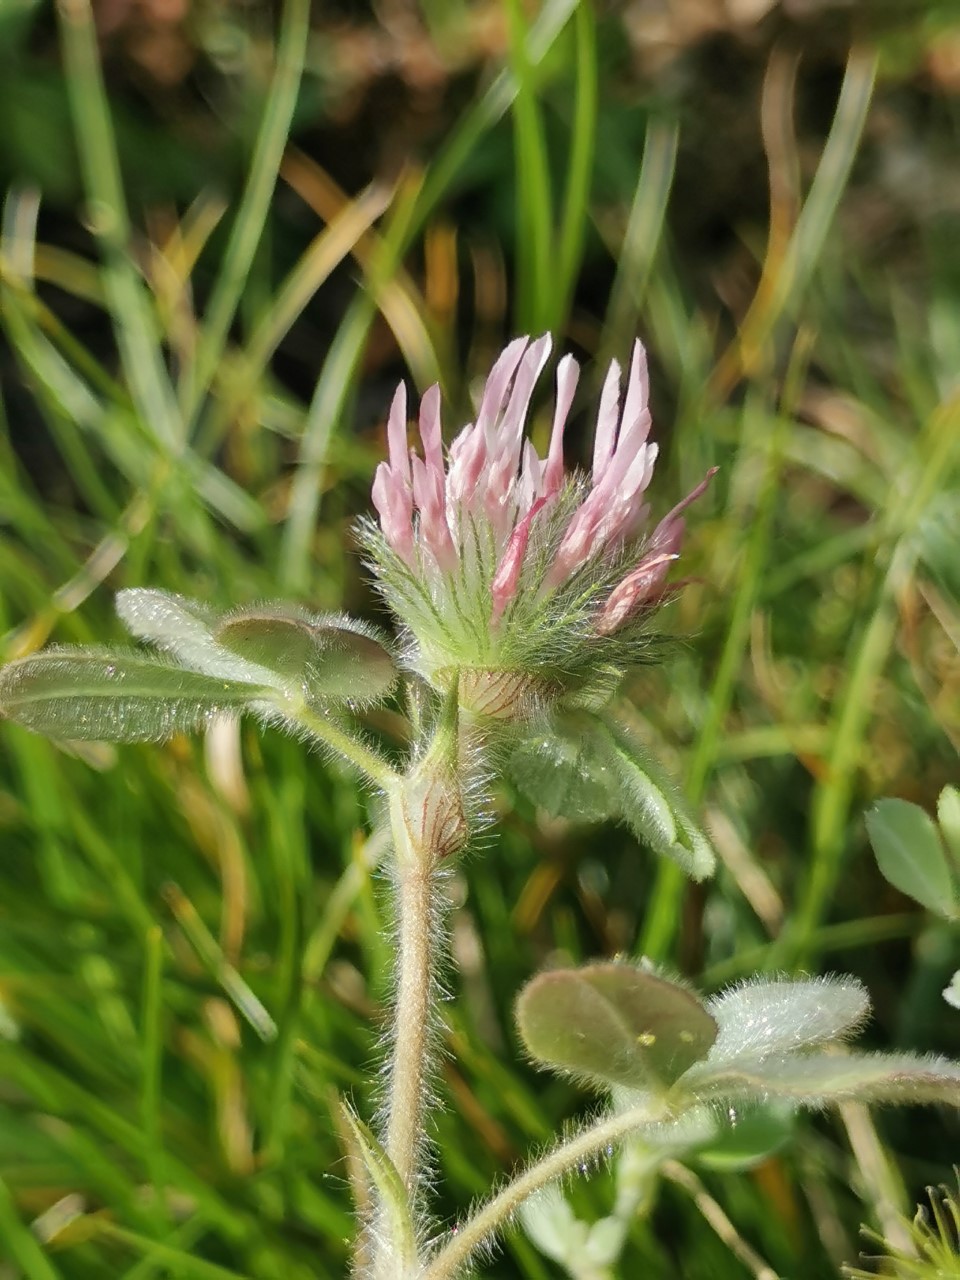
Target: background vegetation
204,312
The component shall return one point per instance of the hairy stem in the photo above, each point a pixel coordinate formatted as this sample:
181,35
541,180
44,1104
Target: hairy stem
418,930
584,1147
415,984
364,758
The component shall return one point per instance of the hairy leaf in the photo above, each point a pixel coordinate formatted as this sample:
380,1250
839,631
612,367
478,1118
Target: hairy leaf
184,628
390,1192
746,1140
948,815
560,770
120,695
332,659
762,1017
652,805
587,768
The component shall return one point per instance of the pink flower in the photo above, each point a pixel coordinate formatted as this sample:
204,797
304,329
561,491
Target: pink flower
495,525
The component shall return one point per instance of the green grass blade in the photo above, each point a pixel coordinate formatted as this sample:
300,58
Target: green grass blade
151,1078
186,1266
766,439
642,236
870,654
254,208
134,325
573,220
534,244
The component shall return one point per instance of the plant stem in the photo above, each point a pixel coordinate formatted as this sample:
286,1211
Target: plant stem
581,1149
416,959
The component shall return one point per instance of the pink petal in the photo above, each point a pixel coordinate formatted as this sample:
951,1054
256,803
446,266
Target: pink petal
506,447
568,374
662,530
577,543
638,393
607,416
637,588
394,503
497,383
469,458
430,430
505,580
397,449
428,493
529,487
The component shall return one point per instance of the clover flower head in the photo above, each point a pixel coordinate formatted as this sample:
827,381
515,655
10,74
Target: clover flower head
499,563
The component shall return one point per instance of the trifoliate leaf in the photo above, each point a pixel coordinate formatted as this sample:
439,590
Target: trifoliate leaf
116,695
326,659
910,854
184,628
613,1024
588,768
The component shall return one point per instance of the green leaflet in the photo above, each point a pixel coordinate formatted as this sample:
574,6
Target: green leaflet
560,770
614,1024
758,1134
652,804
911,855
334,662
815,1079
948,815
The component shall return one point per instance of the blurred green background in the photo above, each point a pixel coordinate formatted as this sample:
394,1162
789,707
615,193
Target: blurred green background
213,270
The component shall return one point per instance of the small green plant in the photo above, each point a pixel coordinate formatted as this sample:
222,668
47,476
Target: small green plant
521,596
